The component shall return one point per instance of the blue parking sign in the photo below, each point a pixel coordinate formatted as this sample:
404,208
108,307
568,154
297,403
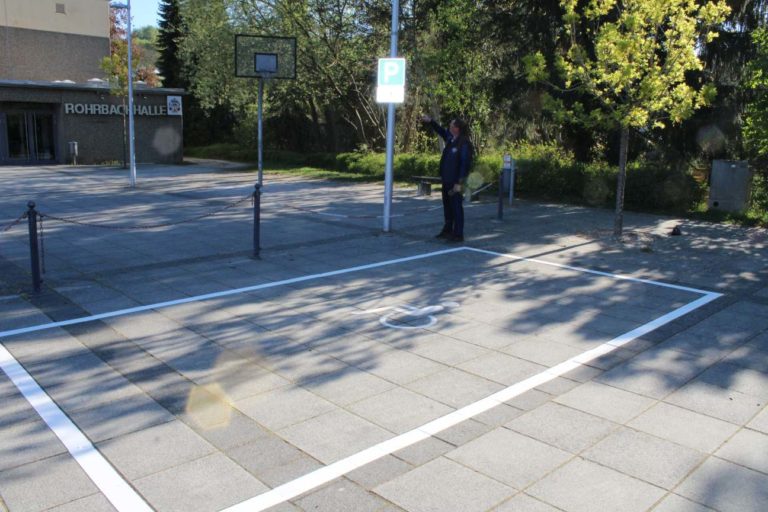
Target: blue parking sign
391,72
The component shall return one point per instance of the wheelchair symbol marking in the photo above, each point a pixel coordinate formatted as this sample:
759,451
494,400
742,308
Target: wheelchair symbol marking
422,318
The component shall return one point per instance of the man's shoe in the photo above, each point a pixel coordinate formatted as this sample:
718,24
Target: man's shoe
455,238
443,234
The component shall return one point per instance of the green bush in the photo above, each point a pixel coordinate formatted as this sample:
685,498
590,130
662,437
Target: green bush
544,171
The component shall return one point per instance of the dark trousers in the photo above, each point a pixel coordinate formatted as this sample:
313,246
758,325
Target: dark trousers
453,211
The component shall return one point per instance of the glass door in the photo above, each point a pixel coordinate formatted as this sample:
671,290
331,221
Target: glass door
42,131
18,139
27,137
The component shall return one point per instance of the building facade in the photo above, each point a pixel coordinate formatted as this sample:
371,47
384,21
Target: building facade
52,92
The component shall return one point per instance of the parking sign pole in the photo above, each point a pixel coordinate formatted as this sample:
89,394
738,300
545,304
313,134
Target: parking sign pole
388,173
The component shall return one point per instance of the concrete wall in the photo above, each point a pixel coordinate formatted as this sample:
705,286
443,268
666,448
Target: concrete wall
82,17
39,43
37,55
100,137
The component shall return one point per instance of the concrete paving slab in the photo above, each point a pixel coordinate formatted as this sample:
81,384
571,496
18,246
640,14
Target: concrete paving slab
154,449
760,421
342,496
644,381
122,416
454,388
501,368
509,457
27,442
583,486
675,503
44,484
523,503
272,460
737,378
283,407
563,427
93,503
676,424
725,404
399,410
747,448
605,401
424,451
645,457
727,487
207,484
334,435
444,485
380,471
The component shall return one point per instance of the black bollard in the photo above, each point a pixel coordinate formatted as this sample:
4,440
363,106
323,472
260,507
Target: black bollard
256,220
34,252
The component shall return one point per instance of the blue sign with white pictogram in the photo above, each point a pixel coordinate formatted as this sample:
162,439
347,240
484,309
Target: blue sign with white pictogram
391,81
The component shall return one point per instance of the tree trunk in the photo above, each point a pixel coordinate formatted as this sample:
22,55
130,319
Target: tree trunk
618,222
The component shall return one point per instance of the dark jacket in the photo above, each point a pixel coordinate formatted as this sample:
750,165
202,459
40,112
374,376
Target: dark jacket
456,160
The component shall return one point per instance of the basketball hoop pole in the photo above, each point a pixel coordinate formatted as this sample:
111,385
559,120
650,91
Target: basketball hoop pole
260,131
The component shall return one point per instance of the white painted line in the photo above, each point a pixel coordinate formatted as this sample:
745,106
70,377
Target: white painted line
589,271
328,473
215,295
122,496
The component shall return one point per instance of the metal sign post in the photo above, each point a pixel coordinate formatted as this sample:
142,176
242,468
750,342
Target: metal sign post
391,80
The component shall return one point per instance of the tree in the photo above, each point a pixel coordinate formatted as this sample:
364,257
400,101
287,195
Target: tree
170,33
634,58
116,65
756,119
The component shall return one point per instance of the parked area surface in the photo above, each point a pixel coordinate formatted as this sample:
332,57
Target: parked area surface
539,366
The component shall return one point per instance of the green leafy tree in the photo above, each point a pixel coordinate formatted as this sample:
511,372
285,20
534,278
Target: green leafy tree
633,57
756,119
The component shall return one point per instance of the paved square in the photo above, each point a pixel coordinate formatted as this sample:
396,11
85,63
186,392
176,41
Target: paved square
334,374
354,370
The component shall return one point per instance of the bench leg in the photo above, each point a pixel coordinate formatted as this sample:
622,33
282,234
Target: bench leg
425,189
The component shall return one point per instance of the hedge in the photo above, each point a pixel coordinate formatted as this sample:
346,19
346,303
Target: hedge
544,171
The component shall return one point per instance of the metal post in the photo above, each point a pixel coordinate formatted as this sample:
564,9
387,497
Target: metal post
511,179
261,132
257,220
34,252
388,172
500,212
131,134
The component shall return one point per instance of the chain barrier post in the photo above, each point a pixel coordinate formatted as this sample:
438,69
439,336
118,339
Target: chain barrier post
34,253
256,220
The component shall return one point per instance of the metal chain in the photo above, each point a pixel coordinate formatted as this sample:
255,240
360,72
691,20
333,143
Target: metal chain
147,226
342,216
9,226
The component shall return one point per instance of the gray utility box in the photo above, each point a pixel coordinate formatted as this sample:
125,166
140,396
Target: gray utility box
729,185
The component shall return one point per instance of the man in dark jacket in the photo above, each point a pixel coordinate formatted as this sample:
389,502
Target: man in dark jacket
455,164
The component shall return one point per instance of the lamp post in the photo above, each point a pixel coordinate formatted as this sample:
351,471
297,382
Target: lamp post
131,139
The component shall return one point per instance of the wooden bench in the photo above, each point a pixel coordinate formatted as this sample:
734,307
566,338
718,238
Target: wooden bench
425,184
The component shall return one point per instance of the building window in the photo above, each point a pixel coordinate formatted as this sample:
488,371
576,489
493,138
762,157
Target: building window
61,9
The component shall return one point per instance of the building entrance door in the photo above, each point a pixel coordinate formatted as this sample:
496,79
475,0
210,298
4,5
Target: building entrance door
27,137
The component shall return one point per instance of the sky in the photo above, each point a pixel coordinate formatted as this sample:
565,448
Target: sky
144,12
